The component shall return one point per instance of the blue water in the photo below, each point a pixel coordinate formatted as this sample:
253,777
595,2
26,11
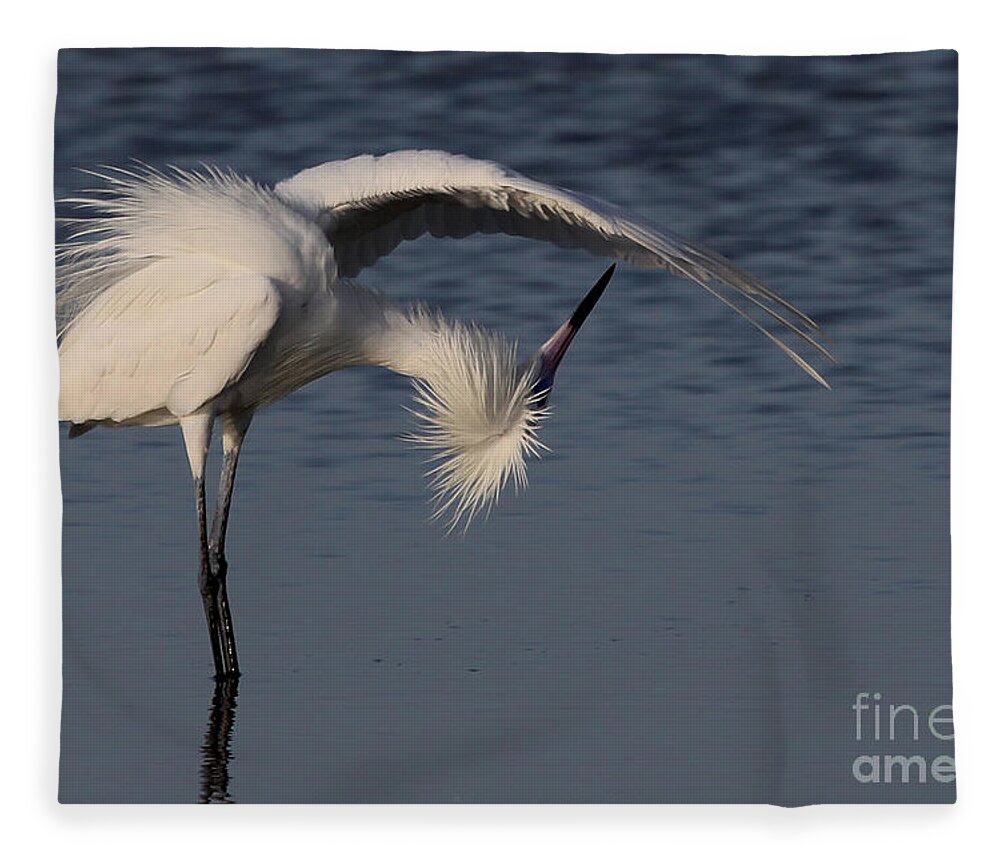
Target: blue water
717,557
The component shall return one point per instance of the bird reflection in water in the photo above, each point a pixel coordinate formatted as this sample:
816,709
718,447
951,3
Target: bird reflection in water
215,751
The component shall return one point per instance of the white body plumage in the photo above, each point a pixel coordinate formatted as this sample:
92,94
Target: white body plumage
186,297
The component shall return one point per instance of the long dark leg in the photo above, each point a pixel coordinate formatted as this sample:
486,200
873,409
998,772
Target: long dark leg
233,433
197,430
217,556
209,583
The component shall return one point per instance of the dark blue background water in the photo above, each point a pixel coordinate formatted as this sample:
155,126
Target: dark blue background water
717,557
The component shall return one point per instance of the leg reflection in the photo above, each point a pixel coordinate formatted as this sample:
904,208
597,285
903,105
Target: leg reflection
215,753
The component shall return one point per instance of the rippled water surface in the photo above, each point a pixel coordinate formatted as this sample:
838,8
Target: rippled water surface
717,557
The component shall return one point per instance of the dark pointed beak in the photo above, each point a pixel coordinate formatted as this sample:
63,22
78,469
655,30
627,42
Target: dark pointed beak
551,353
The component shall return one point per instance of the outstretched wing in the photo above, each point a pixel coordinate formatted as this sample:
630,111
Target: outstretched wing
166,339
368,205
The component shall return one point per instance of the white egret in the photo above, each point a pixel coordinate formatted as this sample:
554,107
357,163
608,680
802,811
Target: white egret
189,297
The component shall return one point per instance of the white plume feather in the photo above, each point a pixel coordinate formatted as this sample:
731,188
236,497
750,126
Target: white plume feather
478,414
143,215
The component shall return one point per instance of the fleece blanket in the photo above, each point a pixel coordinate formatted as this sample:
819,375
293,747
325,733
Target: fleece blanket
707,562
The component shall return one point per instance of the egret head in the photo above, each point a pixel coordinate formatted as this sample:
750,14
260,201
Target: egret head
480,410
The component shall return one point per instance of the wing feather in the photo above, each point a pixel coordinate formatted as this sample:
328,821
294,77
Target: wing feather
368,205
169,337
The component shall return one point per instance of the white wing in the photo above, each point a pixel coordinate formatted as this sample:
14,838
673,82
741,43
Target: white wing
368,205
169,337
